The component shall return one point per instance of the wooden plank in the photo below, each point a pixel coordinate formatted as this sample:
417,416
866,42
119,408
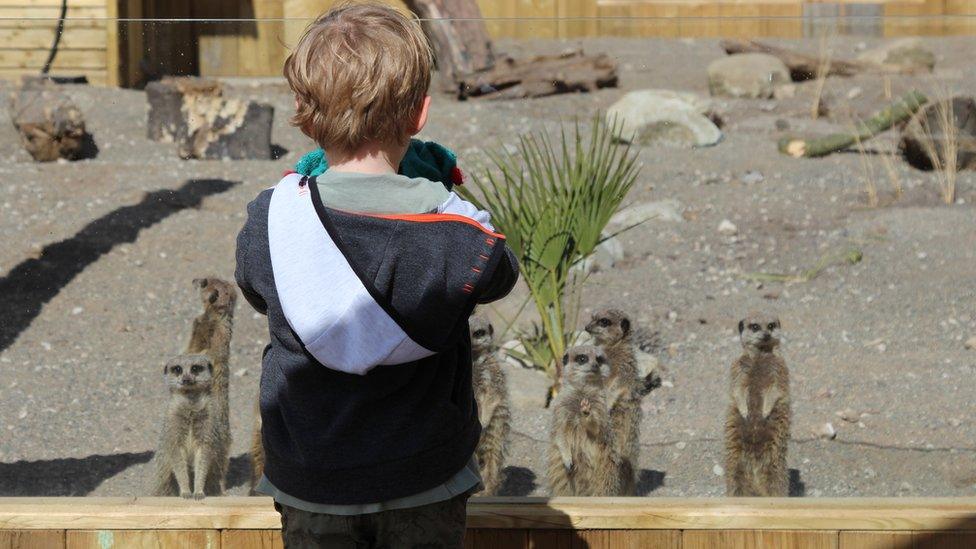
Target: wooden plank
496,539
758,539
550,539
83,38
875,540
65,60
929,514
31,539
95,77
251,539
944,540
112,44
142,539
591,539
644,539
49,3
51,12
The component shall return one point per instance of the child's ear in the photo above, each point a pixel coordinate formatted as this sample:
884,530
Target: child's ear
422,113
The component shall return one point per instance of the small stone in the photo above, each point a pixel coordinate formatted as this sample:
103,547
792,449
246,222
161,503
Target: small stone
782,125
826,431
22,414
681,445
240,372
855,92
752,177
77,310
727,228
848,415
717,469
46,345
971,343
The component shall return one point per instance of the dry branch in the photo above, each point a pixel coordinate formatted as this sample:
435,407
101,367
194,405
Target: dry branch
899,111
806,67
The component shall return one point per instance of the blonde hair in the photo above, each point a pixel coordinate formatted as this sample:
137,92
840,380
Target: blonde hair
359,73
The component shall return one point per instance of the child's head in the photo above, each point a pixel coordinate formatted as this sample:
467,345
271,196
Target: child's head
360,74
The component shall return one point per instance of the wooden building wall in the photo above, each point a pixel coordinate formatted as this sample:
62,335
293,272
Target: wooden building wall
88,46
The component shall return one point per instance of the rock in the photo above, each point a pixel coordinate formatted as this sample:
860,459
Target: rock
927,138
750,75
662,210
826,431
728,228
971,343
605,256
907,54
784,91
194,114
664,117
782,125
751,177
51,126
718,470
849,415
855,92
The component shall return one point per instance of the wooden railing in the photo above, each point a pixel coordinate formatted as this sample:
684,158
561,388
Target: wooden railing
502,523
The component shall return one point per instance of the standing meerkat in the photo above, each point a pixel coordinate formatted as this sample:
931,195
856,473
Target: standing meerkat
613,331
211,334
194,440
757,426
582,457
491,392
623,342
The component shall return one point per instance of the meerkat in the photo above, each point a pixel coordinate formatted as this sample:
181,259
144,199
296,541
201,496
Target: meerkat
210,335
612,330
582,457
257,449
491,392
757,426
624,342
194,440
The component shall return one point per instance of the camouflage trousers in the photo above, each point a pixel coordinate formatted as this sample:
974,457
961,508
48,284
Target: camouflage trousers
438,525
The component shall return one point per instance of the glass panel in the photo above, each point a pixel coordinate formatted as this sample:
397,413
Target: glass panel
792,183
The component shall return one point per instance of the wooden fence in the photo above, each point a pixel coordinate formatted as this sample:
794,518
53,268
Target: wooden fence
251,37
516,523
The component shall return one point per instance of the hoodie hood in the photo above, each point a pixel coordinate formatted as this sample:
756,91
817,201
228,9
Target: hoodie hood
361,290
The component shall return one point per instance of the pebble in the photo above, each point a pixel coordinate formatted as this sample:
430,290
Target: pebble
241,372
855,92
826,431
726,227
718,470
77,310
751,177
848,415
681,445
971,343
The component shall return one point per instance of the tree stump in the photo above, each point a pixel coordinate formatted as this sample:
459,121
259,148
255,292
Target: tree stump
461,45
194,114
50,125
940,131
166,121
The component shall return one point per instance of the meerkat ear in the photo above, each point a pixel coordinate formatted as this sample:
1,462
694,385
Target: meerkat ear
565,359
200,282
212,298
742,326
165,369
625,325
491,330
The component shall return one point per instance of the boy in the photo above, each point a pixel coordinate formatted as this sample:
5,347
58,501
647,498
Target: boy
368,278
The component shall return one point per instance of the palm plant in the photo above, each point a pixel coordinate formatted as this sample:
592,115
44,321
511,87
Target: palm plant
553,202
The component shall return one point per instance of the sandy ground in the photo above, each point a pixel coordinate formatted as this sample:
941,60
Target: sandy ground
96,275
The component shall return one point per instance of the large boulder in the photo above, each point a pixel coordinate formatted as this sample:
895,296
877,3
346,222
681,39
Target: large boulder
652,117
939,131
750,75
51,126
166,122
908,55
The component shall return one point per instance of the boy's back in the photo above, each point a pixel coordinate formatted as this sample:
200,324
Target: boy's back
368,279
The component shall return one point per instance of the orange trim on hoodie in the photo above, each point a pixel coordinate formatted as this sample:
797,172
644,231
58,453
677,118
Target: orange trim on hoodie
433,218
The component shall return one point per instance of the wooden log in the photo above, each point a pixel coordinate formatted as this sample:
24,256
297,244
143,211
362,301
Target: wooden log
541,76
941,133
166,121
219,127
899,111
51,126
806,67
462,45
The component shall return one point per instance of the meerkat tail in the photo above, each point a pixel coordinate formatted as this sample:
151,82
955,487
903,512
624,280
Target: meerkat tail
257,454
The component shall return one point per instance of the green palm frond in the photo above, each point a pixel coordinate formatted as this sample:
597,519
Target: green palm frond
553,199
